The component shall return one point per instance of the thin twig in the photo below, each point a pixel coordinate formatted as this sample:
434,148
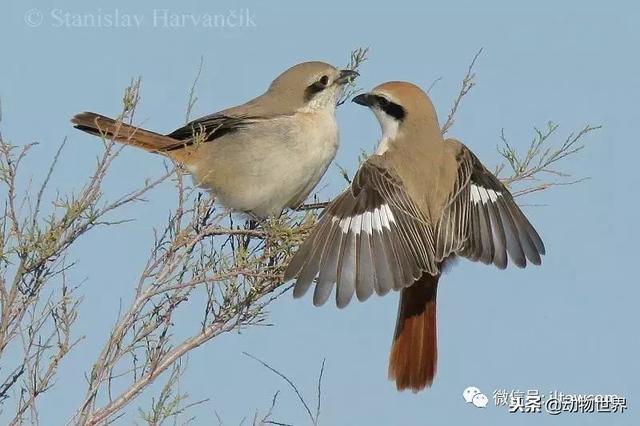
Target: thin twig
467,84
289,382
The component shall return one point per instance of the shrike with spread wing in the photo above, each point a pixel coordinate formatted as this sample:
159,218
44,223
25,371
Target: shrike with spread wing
259,157
414,205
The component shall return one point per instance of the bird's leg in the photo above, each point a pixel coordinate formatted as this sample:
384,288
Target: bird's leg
312,206
250,225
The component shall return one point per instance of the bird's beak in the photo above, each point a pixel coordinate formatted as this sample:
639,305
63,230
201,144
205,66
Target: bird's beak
363,99
346,76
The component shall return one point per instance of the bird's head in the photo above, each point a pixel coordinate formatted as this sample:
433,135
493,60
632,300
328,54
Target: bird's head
311,86
398,106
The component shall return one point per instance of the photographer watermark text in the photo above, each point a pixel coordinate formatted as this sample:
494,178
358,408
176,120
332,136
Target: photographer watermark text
155,18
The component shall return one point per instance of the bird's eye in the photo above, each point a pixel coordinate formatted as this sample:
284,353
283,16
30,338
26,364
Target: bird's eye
383,102
318,86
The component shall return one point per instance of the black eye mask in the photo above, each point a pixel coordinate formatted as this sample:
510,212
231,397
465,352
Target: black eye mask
316,87
391,108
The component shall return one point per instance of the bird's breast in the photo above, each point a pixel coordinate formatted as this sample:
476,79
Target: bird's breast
312,149
317,134
270,165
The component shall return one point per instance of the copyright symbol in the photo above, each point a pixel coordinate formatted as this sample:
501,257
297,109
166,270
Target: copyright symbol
33,18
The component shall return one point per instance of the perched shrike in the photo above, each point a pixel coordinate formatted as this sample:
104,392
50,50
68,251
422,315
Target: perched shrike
259,157
417,203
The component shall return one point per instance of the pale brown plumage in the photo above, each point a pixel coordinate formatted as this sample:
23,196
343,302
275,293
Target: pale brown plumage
418,202
259,157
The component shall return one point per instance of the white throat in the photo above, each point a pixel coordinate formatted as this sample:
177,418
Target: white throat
323,101
389,127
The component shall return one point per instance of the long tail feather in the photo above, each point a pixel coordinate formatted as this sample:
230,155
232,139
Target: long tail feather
100,125
414,352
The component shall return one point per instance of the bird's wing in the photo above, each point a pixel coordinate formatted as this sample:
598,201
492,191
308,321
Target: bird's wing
213,126
482,222
208,128
372,237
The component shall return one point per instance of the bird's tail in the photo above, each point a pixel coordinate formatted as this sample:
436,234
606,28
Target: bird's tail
414,352
100,125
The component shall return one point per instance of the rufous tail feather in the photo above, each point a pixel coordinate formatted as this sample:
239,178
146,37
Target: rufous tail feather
414,352
109,128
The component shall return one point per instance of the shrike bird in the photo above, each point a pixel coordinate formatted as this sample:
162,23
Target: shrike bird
417,203
259,157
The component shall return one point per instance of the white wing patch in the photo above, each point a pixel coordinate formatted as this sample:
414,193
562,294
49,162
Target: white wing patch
378,219
386,215
483,195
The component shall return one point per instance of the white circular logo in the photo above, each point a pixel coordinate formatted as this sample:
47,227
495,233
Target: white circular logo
480,400
33,17
469,393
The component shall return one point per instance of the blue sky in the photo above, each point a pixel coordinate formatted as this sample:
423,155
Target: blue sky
569,325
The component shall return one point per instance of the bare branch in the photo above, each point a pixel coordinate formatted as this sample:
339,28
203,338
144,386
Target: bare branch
319,392
192,92
289,382
535,170
37,316
358,57
467,84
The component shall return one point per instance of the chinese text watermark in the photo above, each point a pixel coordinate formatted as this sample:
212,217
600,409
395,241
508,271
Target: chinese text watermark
554,402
